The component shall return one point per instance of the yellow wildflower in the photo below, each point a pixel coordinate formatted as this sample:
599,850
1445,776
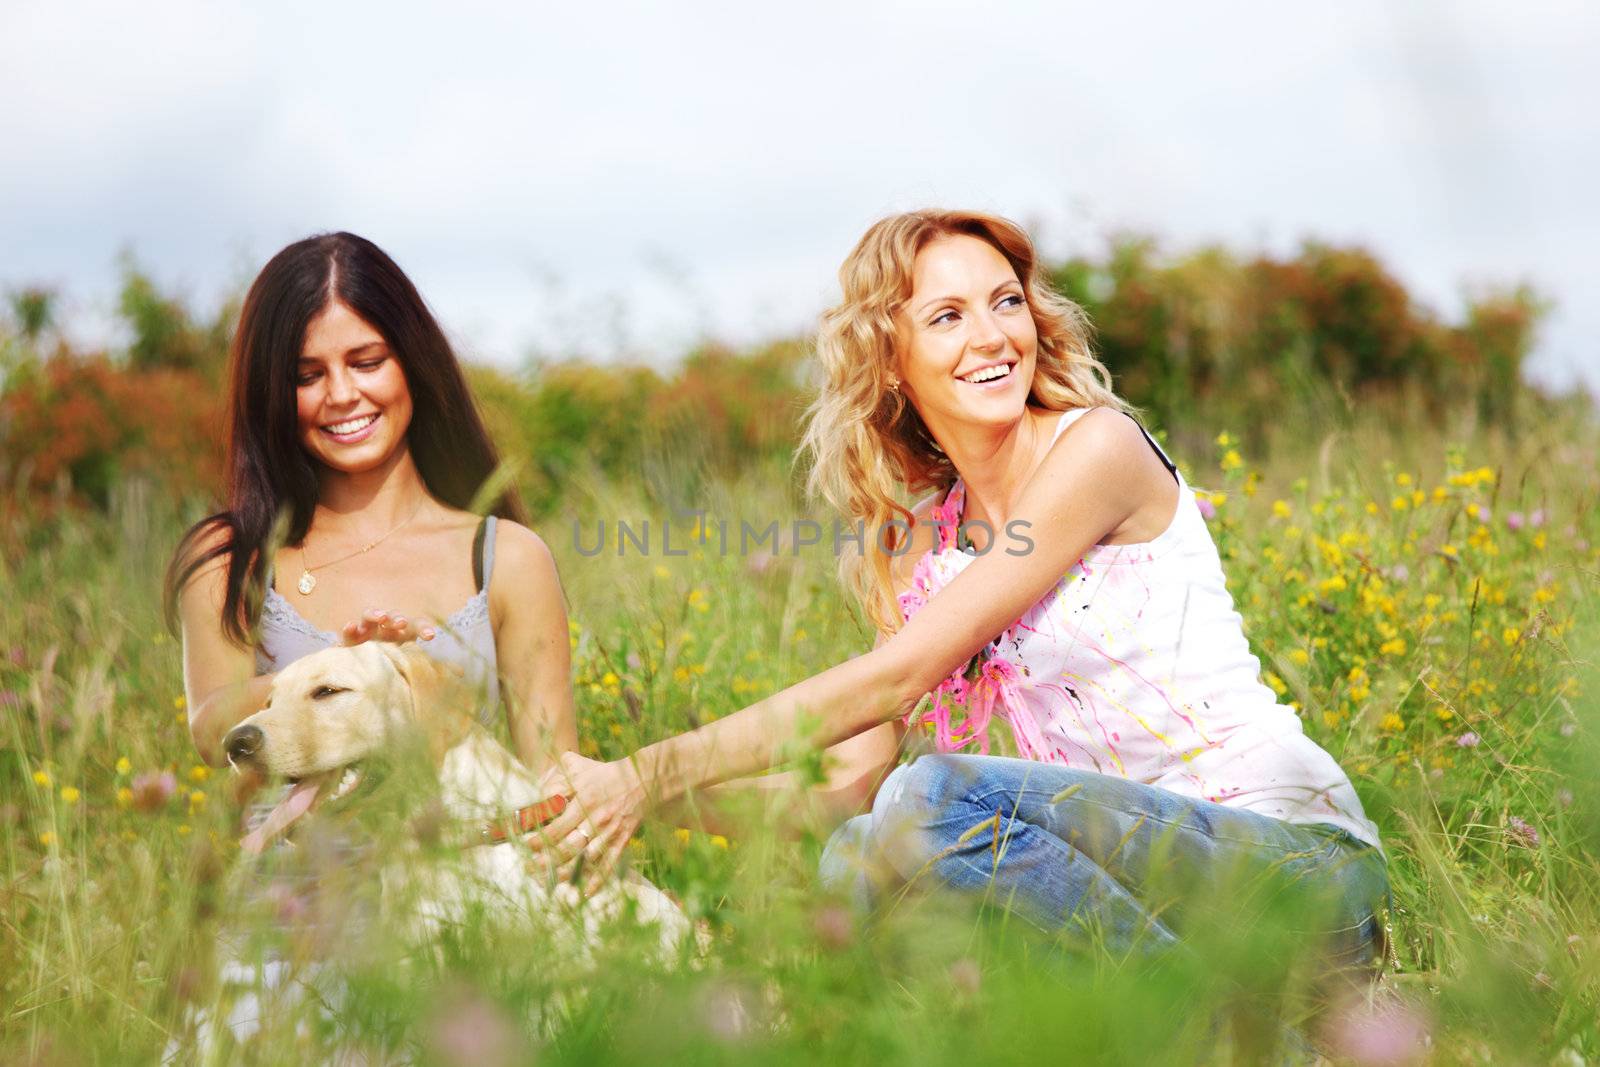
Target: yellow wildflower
1392,723
682,835
1400,503
1281,509
1276,683
1299,657
662,572
41,778
1402,479
719,841
199,772
47,839
197,800
124,765
1231,460
1393,647
124,797
1224,440
1372,509
70,795
1510,635
179,702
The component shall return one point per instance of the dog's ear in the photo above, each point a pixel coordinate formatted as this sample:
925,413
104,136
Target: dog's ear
440,697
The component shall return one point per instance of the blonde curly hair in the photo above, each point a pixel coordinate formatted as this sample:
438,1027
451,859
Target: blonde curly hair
867,445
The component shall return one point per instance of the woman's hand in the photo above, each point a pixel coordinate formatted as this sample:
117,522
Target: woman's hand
587,839
377,625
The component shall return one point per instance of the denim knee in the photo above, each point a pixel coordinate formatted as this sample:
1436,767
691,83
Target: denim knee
911,815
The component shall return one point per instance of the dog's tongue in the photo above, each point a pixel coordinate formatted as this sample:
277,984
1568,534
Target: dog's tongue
290,808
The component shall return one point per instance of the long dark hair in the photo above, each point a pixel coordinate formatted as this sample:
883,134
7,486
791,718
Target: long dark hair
269,473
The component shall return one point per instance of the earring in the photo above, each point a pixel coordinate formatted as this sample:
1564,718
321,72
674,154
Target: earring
894,385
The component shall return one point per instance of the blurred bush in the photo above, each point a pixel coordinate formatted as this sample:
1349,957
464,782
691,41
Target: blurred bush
1203,338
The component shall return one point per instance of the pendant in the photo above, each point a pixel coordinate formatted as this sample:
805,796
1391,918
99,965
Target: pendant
306,584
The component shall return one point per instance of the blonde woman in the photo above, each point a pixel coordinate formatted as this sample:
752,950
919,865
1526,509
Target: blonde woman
1061,577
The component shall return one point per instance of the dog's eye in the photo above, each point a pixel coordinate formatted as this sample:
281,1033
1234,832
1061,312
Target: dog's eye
322,692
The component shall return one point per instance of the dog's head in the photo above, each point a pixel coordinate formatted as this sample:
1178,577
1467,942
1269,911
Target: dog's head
330,710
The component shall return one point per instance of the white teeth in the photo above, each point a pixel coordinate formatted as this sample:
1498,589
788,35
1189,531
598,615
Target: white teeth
988,374
352,426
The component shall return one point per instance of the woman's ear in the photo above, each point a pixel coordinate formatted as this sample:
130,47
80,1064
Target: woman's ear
440,697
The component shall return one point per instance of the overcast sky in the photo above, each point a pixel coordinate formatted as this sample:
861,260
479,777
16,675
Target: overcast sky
627,178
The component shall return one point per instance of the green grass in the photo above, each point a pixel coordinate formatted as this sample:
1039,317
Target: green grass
1397,630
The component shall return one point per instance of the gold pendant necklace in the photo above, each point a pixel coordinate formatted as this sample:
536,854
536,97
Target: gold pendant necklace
308,581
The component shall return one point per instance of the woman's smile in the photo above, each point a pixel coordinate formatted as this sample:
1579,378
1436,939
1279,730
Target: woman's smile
350,431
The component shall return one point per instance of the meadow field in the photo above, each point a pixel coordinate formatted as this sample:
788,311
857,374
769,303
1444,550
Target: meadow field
1421,586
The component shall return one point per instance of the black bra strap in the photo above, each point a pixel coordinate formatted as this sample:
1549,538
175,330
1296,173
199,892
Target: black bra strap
1172,468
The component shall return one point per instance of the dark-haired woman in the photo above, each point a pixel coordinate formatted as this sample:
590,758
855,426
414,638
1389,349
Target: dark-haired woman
352,424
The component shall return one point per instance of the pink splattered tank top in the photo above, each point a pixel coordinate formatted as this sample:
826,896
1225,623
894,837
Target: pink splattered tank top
1136,665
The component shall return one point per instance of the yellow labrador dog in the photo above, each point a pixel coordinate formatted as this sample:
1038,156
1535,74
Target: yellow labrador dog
331,710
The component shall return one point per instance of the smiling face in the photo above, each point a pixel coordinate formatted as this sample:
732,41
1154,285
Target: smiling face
966,339
351,396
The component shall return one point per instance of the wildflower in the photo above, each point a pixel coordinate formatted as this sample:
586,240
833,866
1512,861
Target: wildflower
1395,646
1536,518
1224,440
1510,635
800,634
180,702
199,772
1336,584
1281,509
124,765
834,927
469,1028
1520,833
1208,510
966,976
1449,551
1514,520
197,800
1402,479
1400,503
47,839
152,791
682,835
1387,1031
1276,683
662,572
1443,713
1299,657
70,795
41,778
718,841
1392,723
1231,460
1478,512
1468,740
124,797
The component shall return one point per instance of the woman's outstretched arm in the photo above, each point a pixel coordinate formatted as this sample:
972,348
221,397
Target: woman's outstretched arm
1095,476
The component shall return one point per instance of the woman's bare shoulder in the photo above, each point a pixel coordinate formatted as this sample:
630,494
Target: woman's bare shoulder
519,552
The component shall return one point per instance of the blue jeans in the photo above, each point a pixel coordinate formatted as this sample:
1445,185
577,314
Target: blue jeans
1128,865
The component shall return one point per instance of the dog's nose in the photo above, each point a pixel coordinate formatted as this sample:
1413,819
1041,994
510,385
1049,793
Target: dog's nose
243,742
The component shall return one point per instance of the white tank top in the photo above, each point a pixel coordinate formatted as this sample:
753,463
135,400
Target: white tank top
1136,665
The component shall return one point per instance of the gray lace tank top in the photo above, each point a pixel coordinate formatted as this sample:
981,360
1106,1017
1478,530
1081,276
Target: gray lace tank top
465,638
